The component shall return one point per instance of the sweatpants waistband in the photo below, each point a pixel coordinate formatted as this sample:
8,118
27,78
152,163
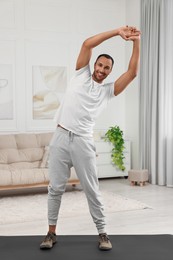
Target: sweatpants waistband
62,129
67,132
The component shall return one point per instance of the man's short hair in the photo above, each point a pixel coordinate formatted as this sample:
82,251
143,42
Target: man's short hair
106,56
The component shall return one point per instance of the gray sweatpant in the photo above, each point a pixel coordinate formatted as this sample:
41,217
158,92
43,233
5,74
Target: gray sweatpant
66,150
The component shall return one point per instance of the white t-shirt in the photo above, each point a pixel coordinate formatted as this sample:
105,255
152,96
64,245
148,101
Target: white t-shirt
83,102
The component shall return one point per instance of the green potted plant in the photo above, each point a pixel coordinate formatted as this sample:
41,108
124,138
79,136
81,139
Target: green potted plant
115,136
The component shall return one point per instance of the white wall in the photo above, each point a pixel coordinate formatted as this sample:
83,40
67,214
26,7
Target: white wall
50,32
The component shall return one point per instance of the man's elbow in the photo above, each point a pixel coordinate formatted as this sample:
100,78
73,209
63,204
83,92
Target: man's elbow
86,44
133,74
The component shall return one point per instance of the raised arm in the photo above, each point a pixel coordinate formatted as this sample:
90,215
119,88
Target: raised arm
123,81
90,43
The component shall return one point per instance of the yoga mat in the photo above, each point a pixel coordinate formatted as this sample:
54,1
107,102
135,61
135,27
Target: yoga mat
81,247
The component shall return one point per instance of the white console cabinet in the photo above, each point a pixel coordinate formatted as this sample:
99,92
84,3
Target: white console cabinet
106,168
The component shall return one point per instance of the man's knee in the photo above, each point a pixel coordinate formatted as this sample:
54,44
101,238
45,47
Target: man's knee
56,190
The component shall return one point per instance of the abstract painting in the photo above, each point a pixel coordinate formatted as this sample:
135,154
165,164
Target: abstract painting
49,85
6,92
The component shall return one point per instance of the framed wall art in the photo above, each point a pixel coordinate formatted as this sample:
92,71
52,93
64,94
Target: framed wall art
6,92
49,84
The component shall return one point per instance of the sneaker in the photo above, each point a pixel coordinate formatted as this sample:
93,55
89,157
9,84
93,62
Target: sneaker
49,241
104,242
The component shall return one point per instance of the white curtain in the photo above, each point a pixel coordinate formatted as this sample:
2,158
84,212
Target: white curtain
156,91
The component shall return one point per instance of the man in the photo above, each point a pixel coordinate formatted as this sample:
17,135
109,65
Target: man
72,143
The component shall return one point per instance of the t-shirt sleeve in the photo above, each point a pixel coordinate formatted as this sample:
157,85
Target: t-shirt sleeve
110,91
85,71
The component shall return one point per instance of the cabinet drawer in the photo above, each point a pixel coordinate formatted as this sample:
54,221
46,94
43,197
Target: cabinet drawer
105,171
103,147
105,158
105,166
106,147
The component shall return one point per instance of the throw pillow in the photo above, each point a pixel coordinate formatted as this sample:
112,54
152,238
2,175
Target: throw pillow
44,161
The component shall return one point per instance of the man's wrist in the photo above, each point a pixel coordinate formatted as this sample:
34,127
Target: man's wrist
119,30
137,40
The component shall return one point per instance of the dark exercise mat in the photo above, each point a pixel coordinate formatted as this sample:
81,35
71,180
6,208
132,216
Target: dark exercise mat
125,247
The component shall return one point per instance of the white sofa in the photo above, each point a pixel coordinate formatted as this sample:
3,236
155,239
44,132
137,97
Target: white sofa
24,161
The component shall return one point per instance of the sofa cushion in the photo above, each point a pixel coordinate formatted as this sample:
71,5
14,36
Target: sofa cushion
44,161
24,141
20,165
7,141
23,177
43,139
8,156
24,159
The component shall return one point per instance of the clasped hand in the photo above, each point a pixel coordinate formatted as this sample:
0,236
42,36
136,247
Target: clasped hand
129,33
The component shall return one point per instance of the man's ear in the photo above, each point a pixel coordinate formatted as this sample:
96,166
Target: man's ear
110,70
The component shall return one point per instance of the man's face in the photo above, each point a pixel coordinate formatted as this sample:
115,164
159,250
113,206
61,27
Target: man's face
102,68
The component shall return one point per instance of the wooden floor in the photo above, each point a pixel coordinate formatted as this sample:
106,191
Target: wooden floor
157,220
